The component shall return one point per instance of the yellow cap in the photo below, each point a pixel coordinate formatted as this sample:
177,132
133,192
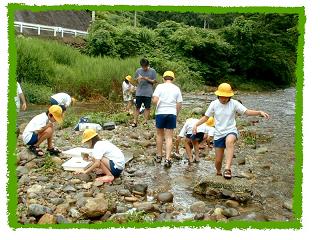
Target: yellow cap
210,122
168,74
224,90
88,134
56,112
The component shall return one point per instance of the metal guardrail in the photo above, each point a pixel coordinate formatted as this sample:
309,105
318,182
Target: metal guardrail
54,29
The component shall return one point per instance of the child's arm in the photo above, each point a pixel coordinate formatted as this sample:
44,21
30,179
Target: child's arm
96,164
178,106
49,124
250,112
201,121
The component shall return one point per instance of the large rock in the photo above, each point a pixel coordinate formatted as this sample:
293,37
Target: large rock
26,155
217,187
38,210
198,207
140,187
165,197
47,219
95,207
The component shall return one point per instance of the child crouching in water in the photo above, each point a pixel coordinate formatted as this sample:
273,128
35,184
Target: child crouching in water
105,156
224,110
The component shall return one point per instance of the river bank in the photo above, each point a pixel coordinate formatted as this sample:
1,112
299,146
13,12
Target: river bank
260,190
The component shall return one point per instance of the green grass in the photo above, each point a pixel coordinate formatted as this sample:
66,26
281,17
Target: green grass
53,67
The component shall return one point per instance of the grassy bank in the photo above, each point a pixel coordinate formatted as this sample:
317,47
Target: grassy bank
46,67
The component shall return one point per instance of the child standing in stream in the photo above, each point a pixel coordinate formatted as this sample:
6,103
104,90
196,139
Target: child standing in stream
224,110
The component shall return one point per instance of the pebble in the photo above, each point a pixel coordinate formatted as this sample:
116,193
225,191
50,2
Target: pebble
198,207
95,207
98,183
121,209
117,181
131,199
56,201
261,150
75,181
87,185
232,203
230,212
38,210
165,197
124,192
143,206
47,219
74,213
140,187
288,205
69,188
61,219
21,170
218,211
62,209
57,160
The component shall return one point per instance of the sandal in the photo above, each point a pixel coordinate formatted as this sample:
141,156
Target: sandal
227,174
167,163
158,159
37,151
53,151
134,125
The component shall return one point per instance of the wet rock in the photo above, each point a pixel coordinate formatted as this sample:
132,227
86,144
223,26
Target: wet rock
198,216
106,216
165,197
261,150
198,207
56,201
62,209
24,179
95,207
26,155
131,199
288,204
61,219
117,181
38,210
58,161
47,219
83,177
230,212
69,188
98,183
75,181
35,189
250,217
21,170
232,203
236,189
143,206
140,187
121,209
124,192
74,213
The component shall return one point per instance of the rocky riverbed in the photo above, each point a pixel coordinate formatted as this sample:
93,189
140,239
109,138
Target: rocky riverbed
260,190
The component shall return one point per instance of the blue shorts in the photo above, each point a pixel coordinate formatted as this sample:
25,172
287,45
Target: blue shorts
221,142
198,137
33,140
54,102
167,121
145,100
115,171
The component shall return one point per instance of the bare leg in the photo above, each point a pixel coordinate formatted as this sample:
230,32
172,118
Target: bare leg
45,135
196,150
218,161
105,166
146,115
160,136
135,116
230,141
188,147
169,144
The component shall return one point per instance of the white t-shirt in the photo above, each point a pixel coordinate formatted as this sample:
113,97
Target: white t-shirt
224,115
169,95
104,148
17,98
35,124
126,87
62,99
187,127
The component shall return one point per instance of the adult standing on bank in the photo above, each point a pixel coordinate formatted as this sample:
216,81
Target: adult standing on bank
146,77
168,100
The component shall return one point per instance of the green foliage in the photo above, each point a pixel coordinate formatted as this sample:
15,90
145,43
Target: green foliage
36,93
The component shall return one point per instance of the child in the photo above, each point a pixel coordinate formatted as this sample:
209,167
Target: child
194,140
40,128
105,156
168,100
224,110
18,99
127,90
63,100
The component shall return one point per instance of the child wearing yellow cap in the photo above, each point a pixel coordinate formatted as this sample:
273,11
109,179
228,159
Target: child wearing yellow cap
64,100
105,156
40,128
127,91
224,110
204,131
